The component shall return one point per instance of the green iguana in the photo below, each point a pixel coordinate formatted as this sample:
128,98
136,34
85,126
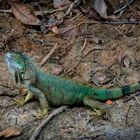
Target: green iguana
53,90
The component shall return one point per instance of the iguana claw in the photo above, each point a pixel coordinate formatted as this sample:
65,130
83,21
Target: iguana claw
20,101
42,113
99,112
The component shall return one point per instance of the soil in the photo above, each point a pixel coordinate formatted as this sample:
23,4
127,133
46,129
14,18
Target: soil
115,63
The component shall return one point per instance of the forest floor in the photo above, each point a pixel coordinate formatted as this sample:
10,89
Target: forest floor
100,55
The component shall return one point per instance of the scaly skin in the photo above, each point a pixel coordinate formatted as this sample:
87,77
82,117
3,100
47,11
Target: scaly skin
50,89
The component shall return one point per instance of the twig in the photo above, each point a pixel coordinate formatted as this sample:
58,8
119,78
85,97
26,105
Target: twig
40,127
73,18
126,99
73,27
84,45
123,8
120,32
70,8
126,121
74,66
49,55
6,11
135,98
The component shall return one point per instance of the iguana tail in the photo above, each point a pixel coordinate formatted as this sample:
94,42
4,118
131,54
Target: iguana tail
114,93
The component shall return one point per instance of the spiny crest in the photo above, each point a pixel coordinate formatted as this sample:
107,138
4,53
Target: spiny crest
29,61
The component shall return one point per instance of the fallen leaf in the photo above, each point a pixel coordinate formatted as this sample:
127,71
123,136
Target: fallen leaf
10,131
55,30
100,7
24,14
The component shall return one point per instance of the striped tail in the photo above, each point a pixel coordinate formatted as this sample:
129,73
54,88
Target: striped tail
114,93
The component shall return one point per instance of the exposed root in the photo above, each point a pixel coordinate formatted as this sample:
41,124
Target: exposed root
50,116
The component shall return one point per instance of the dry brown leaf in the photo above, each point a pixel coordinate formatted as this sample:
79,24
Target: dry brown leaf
100,7
55,30
24,14
10,131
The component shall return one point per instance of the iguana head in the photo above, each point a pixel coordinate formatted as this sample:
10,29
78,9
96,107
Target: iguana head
15,61
19,66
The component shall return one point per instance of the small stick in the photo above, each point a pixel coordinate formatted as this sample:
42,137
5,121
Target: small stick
136,99
69,9
6,11
126,99
84,45
120,32
40,127
73,27
124,8
49,55
126,121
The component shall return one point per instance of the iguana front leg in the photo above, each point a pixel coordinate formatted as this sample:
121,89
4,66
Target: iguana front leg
24,100
28,97
40,95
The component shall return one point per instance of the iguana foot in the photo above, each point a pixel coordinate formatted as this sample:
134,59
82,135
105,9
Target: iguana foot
99,113
20,101
42,113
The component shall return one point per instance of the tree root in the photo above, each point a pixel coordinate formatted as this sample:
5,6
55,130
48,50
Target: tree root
40,127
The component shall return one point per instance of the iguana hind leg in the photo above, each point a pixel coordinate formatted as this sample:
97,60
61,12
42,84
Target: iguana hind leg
99,107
